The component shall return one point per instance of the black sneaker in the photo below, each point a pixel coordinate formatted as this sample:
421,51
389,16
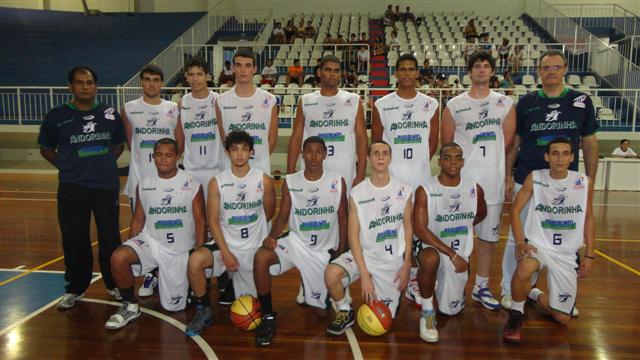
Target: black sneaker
266,330
344,320
227,297
512,329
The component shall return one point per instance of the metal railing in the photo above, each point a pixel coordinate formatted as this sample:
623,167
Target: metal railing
629,47
602,16
29,105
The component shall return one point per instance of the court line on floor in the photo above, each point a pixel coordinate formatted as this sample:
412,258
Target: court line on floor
204,346
351,336
19,267
38,312
27,272
618,262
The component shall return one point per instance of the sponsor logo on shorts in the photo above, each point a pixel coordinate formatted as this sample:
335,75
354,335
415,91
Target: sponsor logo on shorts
564,297
175,300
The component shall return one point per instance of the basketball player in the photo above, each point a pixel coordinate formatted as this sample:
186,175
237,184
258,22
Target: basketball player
168,222
380,236
553,111
250,109
482,122
560,219
146,120
446,208
241,202
338,118
409,122
314,204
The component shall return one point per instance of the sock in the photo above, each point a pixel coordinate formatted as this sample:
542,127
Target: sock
265,303
534,293
518,306
427,304
127,295
202,300
482,281
343,304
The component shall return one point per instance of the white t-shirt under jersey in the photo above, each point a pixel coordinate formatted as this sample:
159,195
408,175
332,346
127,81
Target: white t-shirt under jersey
149,123
333,118
478,131
407,123
203,147
253,115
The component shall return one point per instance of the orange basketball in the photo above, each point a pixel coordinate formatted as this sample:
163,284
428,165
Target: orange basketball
245,313
374,318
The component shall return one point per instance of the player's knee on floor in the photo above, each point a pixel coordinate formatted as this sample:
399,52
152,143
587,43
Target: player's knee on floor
429,259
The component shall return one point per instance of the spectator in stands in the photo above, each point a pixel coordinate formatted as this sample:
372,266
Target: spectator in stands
340,40
177,93
350,76
387,19
310,32
210,82
470,33
503,53
363,38
470,48
515,59
440,82
397,15
300,29
624,151
378,47
507,82
394,42
426,74
290,31
314,80
227,76
329,40
456,88
279,35
269,73
408,15
295,73
494,82
485,44
363,60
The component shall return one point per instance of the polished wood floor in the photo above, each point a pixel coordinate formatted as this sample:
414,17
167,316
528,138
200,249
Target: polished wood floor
608,327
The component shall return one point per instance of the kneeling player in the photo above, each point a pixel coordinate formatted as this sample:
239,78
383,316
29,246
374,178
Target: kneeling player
241,201
168,221
559,221
314,203
380,239
446,208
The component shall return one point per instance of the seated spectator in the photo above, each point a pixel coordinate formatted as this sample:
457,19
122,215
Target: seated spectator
378,47
363,60
394,43
470,33
456,88
350,76
426,74
494,82
269,73
397,15
515,59
624,151
310,31
503,53
363,38
210,82
295,73
300,29
290,31
486,45
329,40
470,48
440,82
507,83
408,15
279,35
314,80
387,18
340,40
226,75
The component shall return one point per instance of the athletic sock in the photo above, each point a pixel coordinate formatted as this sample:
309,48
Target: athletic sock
482,281
518,306
343,304
265,303
427,304
534,293
127,295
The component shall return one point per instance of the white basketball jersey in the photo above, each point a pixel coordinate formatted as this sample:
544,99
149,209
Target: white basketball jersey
253,115
149,123
381,214
203,147
167,205
242,217
406,126
451,213
314,210
479,132
557,211
333,118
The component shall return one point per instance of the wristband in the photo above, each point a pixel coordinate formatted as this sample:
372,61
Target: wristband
590,257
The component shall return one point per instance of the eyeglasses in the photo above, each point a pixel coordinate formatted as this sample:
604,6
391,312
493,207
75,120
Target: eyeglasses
552,67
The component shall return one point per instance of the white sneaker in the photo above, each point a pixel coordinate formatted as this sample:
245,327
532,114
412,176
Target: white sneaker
428,331
413,293
300,296
127,313
115,292
150,282
506,302
68,300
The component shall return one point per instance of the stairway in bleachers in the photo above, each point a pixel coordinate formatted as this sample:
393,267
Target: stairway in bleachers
379,76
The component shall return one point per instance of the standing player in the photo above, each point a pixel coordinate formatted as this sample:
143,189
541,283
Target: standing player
483,123
83,139
446,208
314,204
168,222
380,236
554,111
241,202
250,109
338,118
560,219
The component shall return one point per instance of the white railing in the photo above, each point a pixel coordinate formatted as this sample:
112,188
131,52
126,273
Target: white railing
628,47
29,105
602,16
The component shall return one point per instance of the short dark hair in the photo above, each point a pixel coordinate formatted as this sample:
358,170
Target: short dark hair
314,140
197,61
72,73
449,145
481,56
623,140
330,58
378,142
552,52
166,141
559,140
407,57
238,137
152,70
245,53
